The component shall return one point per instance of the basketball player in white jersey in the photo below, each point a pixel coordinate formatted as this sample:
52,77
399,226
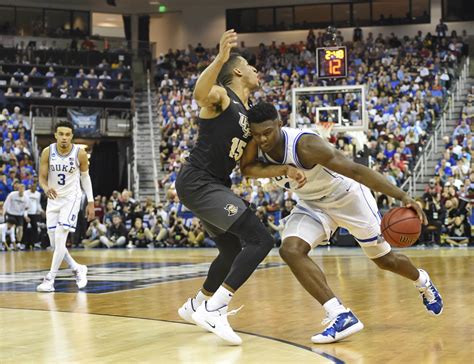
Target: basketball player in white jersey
336,194
64,168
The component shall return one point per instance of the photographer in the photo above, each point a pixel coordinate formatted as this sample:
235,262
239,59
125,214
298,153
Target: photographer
459,232
160,232
431,206
93,234
196,233
116,233
139,236
178,234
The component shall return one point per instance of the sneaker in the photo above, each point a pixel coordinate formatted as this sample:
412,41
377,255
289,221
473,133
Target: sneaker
340,327
431,298
130,245
81,276
186,311
216,322
47,285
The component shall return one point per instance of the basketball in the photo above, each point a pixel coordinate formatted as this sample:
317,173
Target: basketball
401,227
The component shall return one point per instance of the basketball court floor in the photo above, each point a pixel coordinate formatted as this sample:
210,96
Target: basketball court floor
128,312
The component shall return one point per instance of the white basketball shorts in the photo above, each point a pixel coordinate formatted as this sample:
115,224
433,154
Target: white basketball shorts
355,210
63,211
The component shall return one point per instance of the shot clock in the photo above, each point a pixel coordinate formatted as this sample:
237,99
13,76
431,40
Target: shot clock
331,62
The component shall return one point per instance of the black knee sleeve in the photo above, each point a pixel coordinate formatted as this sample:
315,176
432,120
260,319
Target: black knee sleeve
257,244
229,247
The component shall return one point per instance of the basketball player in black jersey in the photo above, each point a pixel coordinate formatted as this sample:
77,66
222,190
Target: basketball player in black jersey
203,186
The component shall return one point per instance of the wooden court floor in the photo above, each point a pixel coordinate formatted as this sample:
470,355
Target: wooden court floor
128,314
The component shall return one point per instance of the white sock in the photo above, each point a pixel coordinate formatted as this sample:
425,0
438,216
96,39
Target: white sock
333,307
70,261
60,237
201,297
219,299
423,279
67,257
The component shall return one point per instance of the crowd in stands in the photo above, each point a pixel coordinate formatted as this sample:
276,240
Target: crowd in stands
449,197
407,81
17,169
104,81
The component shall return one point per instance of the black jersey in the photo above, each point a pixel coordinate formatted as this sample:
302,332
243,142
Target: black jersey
222,140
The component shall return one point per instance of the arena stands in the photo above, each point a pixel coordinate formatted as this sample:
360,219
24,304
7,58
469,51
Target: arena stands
45,81
407,81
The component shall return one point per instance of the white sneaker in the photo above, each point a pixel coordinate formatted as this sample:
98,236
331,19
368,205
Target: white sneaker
187,309
81,276
216,322
47,285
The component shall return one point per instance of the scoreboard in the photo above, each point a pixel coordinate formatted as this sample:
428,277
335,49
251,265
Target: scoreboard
331,62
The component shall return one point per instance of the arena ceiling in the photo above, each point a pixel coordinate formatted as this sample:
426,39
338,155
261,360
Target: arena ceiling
152,6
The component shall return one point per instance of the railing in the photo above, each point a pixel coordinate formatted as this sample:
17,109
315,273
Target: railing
34,142
431,147
136,176
152,138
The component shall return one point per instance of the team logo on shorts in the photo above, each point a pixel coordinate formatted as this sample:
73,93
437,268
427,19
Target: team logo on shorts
73,217
231,209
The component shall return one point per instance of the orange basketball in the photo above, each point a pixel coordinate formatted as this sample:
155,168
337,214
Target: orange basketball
401,227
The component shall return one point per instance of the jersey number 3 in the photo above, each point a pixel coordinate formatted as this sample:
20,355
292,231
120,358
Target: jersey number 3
237,148
62,179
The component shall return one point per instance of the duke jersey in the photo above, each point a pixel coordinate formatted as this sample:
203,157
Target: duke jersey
64,172
221,141
321,181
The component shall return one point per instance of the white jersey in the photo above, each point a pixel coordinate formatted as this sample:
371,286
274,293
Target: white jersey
321,181
64,173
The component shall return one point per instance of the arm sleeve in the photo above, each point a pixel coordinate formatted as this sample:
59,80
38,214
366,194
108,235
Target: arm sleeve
87,186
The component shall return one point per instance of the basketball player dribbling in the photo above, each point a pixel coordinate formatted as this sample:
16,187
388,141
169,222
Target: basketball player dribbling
336,194
64,168
203,186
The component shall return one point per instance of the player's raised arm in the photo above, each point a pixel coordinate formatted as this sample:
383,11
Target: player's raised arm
314,150
43,174
251,167
86,183
206,93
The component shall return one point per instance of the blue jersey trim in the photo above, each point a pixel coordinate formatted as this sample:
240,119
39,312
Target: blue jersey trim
295,154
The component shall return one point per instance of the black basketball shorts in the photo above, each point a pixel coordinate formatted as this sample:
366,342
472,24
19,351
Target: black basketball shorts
209,199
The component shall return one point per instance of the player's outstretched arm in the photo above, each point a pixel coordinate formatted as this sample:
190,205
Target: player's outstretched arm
251,167
43,174
314,150
206,93
86,183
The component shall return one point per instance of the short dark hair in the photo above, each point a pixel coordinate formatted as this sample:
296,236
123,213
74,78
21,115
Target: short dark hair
261,112
64,124
226,75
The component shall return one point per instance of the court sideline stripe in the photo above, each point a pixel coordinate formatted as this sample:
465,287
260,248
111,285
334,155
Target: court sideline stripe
319,352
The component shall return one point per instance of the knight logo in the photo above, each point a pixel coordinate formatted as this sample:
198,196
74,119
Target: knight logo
231,209
244,124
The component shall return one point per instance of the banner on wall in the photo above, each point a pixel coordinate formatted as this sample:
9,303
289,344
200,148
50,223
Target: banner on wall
86,122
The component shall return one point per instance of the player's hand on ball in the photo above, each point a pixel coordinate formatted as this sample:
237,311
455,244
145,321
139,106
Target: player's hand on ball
51,193
296,175
227,42
411,203
90,211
